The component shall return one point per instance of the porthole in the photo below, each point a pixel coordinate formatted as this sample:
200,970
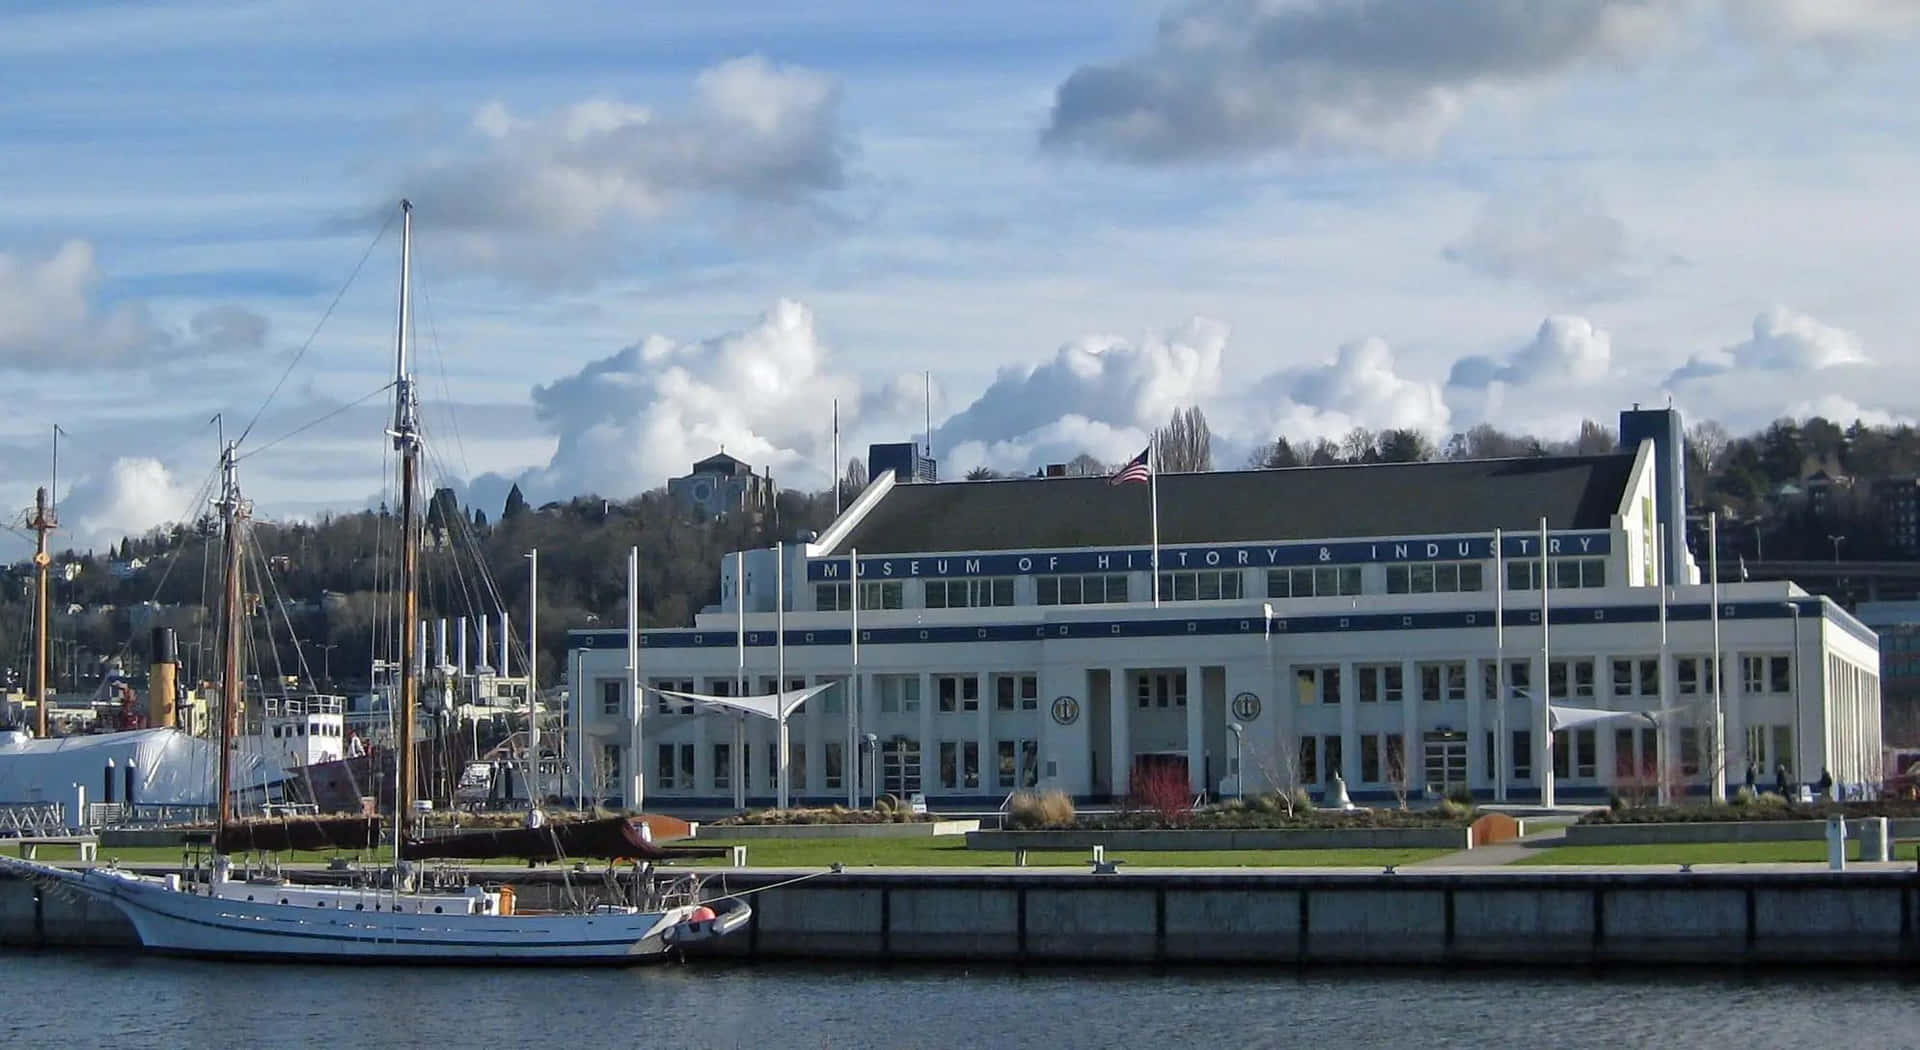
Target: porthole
436,909
359,907
249,896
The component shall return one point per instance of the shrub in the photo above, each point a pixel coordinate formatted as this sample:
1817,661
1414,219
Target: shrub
1163,791
1034,810
1455,809
1303,801
1743,797
1461,794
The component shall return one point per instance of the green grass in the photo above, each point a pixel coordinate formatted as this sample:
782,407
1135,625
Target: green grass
1691,853
944,853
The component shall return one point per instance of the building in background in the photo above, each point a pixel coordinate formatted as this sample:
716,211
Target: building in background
1309,622
720,485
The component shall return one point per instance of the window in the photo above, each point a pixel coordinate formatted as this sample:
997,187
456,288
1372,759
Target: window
663,703
1396,760
1693,675
832,597
1331,744
1081,590
1636,676
1381,683
1689,751
1320,684
797,764
1205,585
722,767
1309,769
1369,758
1317,582
898,692
949,764
663,777
1585,753
883,594
1524,575
1011,690
900,766
970,763
1767,674
1018,763
957,692
835,776
833,700
1519,679
1160,689
1443,681
1581,673
969,593
683,773
1522,755
1444,577
610,697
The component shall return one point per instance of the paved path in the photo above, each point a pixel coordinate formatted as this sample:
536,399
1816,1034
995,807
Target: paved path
1504,853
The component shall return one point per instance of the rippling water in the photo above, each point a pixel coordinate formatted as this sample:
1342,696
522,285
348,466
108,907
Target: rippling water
114,1000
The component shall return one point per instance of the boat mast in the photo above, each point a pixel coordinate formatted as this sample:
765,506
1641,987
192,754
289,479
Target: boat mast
43,523
406,440
232,513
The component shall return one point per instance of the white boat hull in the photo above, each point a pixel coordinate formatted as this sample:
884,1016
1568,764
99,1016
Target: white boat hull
347,924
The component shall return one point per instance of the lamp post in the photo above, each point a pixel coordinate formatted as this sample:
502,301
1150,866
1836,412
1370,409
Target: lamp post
871,742
326,662
1793,668
1287,753
1239,783
1836,541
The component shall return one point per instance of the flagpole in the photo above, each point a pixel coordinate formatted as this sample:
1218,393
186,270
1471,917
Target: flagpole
1153,486
780,665
1719,716
738,774
1543,734
852,773
1662,792
1500,741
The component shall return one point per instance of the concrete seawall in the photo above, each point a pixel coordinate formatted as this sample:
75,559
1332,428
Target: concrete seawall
1863,918
1226,839
1723,831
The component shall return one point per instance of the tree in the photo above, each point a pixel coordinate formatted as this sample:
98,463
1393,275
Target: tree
516,505
982,474
1185,444
1404,446
1278,454
1085,466
1360,446
1596,439
853,481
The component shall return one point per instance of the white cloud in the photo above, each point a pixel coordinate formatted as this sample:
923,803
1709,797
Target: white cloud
1782,341
1239,77
128,497
1826,21
563,181
1361,386
1559,237
628,422
1565,349
1845,411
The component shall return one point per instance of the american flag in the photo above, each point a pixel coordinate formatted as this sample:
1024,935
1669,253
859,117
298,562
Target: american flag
1135,470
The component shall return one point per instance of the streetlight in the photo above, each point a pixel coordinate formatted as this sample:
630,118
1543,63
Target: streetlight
326,661
1239,785
1836,541
1793,668
872,743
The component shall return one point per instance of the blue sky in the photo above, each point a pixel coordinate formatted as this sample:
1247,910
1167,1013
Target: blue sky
645,230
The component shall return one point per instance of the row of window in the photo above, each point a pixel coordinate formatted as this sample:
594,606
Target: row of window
1631,676
1443,765
1016,764
1212,585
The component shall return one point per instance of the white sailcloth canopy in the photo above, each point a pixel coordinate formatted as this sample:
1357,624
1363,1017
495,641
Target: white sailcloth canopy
1570,717
775,706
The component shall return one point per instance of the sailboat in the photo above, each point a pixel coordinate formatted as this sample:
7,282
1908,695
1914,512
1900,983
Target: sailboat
413,915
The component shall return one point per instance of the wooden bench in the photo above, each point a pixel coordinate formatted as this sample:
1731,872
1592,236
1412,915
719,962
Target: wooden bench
30,845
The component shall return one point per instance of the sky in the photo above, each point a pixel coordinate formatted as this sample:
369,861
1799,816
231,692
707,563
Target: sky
647,231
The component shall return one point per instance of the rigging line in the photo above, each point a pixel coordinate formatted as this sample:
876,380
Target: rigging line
173,554
462,533
295,432
315,334
265,570
446,386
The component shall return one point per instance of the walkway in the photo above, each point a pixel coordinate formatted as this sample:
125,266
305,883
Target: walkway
1546,837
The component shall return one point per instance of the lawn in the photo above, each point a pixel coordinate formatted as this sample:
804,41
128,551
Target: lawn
952,853
1693,853
903,853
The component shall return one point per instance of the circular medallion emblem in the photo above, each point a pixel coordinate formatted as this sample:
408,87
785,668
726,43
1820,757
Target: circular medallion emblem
1066,710
1246,707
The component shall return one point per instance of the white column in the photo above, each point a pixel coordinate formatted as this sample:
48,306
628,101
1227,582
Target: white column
1197,729
1119,707
929,747
1479,769
983,731
1541,734
864,723
1413,769
1349,725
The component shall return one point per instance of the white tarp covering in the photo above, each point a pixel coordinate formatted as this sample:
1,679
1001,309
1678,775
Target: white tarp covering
170,767
776,706
1570,717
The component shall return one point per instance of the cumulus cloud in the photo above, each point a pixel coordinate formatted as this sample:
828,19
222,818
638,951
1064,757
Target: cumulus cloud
753,131
49,319
1845,411
128,497
1361,386
627,422
1227,78
1565,349
1782,341
1826,21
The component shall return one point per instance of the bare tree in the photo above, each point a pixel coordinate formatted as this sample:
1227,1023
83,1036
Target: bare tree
1708,441
1360,446
854,480
1278,454
1185,444
1085,466
1596,439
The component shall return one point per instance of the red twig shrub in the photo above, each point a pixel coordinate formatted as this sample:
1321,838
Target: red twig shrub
1162,789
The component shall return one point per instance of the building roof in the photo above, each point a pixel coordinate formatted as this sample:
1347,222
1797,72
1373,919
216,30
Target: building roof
1244,506
721,463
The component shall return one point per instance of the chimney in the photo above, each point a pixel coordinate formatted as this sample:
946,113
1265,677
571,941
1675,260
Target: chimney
162,675
481,622
505,647
460,644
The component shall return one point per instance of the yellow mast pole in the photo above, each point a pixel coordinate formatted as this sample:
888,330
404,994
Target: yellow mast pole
43,523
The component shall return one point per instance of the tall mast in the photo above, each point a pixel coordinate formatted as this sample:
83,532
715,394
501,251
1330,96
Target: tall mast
406,440
232,513
43,523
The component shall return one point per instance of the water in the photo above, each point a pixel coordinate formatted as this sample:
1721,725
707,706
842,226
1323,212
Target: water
122,1000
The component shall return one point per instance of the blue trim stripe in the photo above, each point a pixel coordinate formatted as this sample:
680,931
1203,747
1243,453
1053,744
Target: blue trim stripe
1212,626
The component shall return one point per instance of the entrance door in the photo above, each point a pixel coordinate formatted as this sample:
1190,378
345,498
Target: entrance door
1446,761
